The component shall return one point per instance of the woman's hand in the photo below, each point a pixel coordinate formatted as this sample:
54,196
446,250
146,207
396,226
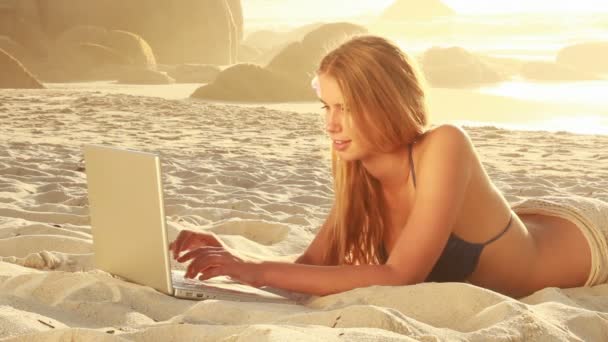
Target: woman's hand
188,240
210,258
213,262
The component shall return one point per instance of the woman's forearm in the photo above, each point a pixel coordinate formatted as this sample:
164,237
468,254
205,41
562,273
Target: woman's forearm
325,280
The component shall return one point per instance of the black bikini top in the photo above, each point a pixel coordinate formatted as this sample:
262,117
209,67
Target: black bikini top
459,257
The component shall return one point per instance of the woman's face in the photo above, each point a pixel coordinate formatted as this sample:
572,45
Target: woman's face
346,140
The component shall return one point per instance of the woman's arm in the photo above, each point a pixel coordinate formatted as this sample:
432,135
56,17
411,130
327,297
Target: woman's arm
323,280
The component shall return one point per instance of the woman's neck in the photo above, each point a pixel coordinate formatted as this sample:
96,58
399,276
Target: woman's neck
390,169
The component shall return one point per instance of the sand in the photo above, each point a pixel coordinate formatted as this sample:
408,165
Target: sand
259,178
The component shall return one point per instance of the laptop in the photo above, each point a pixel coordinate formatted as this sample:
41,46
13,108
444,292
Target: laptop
129,229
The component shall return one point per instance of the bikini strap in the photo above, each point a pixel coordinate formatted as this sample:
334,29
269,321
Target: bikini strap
501,233
412,170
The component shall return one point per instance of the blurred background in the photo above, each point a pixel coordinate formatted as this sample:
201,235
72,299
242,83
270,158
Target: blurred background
519,64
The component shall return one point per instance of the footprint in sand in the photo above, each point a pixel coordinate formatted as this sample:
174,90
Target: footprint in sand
262,232
54,196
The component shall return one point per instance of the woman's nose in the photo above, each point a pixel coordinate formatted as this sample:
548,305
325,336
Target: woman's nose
332,121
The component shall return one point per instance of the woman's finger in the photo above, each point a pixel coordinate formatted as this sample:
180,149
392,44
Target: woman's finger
199,265
209,239
211,272
181,242
201,252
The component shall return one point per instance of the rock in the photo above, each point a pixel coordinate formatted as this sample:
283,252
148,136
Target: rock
545,71
144,76
299,60
236,8
91,52
267,39
13,48
14,75
456,67
251,83
82,34
194,73
416,10
287,77
186,31
84,62
132,46
590,57
129,45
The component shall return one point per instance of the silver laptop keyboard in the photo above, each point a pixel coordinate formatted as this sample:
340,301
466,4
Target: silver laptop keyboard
196,285
179,280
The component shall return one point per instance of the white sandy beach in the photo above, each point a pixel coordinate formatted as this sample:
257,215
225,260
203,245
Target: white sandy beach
259,178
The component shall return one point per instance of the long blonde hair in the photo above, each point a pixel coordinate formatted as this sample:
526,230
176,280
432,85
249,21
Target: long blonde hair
385,96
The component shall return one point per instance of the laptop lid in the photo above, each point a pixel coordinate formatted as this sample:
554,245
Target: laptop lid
127,212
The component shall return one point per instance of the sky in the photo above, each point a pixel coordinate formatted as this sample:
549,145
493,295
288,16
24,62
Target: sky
323,9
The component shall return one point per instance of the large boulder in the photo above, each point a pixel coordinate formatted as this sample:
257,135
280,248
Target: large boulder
287,77
14,75
271,43
299,60
252,83
185,31
132,46
455,67
591,57
94,53
553,72
416,10
134,49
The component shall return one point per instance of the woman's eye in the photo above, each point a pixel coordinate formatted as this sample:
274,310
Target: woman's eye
325,107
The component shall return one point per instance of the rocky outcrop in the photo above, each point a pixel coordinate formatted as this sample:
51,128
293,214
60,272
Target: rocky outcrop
132,47
287,77
14,75
416,10
250,83
91,52
13,48
185,31
236,9
590,57
300,59
268,39
455,67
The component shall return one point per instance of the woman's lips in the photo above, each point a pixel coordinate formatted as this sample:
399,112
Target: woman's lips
341,145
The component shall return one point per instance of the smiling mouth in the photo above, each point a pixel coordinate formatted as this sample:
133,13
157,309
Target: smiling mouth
341,145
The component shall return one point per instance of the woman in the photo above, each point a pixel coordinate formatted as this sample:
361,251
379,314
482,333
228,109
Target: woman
412,203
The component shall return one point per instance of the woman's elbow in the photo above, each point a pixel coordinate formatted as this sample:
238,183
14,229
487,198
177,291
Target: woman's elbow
399,277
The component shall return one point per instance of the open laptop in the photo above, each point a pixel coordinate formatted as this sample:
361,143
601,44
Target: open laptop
129,230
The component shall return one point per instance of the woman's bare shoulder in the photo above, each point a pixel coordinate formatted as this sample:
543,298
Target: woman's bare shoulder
444,137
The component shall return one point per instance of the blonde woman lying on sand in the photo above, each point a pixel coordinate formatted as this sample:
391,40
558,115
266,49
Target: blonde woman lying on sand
414,204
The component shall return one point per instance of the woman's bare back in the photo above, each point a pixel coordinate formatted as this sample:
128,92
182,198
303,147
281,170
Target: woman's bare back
536,251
